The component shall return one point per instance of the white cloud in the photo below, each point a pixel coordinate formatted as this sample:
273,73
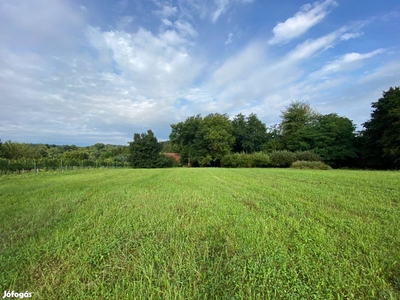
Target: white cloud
308,16
221,6
171,37
389,71
185,28
156,64
38,22
229,40
208,9
166,22
238,66
351,35
311,46
167,11
345,62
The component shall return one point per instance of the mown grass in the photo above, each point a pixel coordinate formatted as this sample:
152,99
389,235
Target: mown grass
201,234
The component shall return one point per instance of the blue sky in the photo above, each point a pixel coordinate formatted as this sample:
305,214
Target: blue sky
81,72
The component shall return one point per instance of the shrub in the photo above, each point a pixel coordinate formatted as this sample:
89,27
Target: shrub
228,161
260,160
243,160
308,156
282,159
236,160
315,165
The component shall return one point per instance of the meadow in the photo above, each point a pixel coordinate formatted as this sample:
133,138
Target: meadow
206,233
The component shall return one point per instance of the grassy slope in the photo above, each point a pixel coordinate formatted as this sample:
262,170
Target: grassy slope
201,233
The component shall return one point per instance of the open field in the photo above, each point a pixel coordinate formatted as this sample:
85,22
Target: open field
201,234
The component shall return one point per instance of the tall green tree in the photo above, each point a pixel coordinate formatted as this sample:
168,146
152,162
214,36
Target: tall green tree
295,119
381,136
187,137
203,141
274,139
217,131
249,132
145,151
333,138
330,136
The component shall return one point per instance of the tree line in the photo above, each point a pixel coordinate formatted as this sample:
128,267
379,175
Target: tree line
303,134
16,157
219,141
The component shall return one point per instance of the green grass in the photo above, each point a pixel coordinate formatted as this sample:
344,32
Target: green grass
201,234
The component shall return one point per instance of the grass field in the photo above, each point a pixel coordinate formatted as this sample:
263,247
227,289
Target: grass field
201,234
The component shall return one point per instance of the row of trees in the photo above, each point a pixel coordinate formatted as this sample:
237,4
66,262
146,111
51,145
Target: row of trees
331,136
21,156
99,151
205,141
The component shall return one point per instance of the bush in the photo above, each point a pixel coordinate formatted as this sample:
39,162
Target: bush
308,156
282,159
260,160
228,161
245,160
315,165
236,160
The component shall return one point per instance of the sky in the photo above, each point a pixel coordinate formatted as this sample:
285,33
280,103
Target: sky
95,71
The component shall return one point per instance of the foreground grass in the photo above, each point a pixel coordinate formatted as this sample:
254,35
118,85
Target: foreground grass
201,234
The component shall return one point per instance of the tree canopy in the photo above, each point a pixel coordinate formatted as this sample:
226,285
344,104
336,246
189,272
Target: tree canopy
381,136
145,151
295,119
330,136
333,138
203,141
249,132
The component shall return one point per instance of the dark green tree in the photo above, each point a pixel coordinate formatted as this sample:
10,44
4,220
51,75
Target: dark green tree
145,151
203,142
250,133
333,138
381,136
295,118
188,139
217,131
98,146
330,136
274,139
